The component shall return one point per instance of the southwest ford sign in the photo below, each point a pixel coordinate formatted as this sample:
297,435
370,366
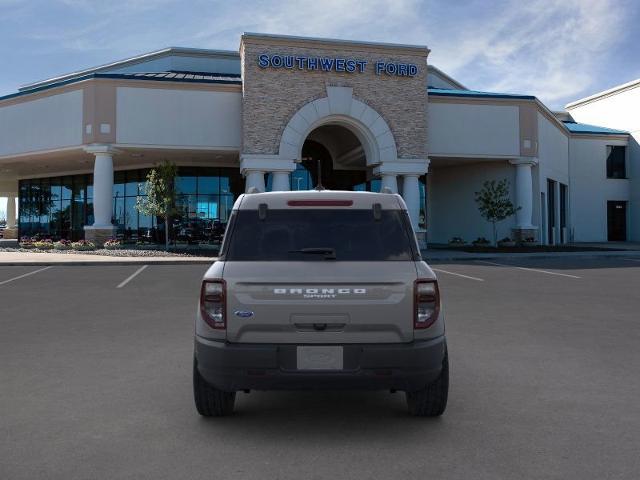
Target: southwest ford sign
331,64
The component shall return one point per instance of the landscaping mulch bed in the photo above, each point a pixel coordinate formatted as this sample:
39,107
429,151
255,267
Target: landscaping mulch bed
120,252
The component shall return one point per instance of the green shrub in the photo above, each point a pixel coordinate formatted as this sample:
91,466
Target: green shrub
83,245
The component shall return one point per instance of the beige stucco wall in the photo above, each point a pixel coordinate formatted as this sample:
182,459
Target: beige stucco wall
271,96
452,209
178,117
458,129
50,122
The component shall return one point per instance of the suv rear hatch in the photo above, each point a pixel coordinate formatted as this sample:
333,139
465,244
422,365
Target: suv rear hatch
317,275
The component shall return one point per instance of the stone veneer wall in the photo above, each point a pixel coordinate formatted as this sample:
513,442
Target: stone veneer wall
98,235
271,96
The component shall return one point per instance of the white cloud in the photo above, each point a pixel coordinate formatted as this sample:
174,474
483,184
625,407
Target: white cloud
548,48
349,19
554,49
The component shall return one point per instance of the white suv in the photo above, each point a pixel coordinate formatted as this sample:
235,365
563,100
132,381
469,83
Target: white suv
320,289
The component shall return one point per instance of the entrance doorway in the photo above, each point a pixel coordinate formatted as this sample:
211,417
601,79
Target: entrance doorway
333,154
543,219
563,212
551,212
617,221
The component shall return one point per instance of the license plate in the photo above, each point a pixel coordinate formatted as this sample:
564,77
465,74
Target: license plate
320,358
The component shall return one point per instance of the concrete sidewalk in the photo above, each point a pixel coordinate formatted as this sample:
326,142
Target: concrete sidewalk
456,255
33,258
45,259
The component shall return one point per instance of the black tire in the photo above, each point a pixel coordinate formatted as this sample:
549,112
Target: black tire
431,401
211,402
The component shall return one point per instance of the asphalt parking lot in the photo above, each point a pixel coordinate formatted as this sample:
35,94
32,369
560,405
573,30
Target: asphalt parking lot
95,382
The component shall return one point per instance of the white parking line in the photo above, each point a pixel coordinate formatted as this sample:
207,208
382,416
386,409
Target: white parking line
25,275
132,276
528,269
457,274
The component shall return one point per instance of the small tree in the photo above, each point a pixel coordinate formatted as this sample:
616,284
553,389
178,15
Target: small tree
494,203
160,193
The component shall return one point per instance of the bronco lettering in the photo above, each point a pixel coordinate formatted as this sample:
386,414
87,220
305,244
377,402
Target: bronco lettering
322,291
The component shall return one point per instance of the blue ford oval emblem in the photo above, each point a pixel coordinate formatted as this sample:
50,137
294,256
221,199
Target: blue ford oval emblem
243,313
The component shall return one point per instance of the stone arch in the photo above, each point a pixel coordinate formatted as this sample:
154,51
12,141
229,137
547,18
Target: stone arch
340,108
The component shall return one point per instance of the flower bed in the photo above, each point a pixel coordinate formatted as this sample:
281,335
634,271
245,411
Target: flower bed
481,242
26,243
62,245
457,242
113,244
43,244
506,242
83,245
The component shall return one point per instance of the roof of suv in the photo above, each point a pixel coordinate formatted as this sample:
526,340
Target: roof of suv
320,199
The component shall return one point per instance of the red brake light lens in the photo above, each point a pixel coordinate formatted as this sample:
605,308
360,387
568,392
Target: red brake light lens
320,203
427,303
213,303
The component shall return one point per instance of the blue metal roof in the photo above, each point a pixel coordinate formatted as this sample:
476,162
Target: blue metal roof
176,75
575,127
173,76
444,92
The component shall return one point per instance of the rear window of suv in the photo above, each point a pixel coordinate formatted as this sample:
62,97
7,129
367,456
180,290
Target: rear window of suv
319,235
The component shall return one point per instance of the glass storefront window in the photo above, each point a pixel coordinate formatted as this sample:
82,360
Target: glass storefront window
422,219
119,179
67,188
89,215
130,218
89,184
118,213
207,206
55,218
301,178
208,185
60,207
187,184
79,187
77,220
65,217
225,185
131,185
226,204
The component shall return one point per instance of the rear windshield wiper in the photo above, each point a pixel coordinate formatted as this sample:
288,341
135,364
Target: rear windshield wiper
329,253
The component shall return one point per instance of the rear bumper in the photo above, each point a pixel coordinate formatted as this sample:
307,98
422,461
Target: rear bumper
405,366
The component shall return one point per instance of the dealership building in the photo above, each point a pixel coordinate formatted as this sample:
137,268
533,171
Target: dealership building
75,150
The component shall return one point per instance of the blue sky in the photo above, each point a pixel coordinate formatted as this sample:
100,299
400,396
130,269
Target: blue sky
557,50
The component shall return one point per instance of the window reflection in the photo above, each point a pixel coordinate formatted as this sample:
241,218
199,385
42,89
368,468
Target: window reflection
59,207
301,178
422,219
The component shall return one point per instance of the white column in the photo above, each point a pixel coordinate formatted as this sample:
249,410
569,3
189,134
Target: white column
11,211
280,182
389,180
524,192
254,178
411,195
103,190
253,167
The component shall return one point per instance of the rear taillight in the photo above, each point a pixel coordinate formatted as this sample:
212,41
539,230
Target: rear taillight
426,303
213,300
